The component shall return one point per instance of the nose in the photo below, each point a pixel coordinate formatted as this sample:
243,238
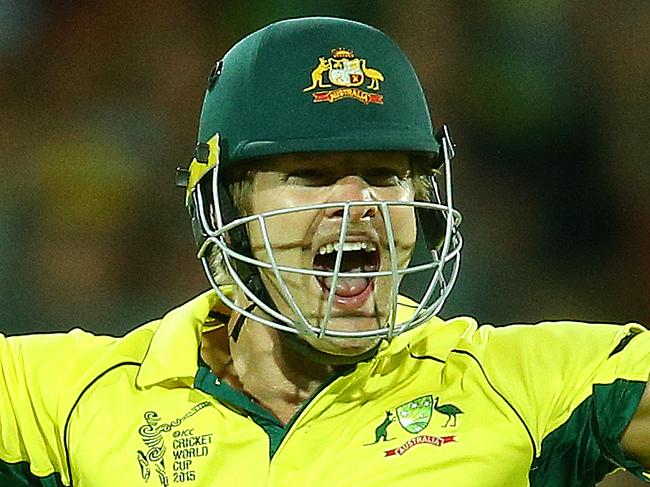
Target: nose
351,188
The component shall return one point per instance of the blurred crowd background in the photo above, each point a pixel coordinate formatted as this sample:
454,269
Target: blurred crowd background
548,102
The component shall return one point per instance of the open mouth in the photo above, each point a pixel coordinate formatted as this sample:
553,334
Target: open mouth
357,257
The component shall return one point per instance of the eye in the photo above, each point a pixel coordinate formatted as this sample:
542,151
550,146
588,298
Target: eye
385,176
309,177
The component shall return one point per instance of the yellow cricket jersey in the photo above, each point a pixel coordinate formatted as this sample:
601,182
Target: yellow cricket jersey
445,404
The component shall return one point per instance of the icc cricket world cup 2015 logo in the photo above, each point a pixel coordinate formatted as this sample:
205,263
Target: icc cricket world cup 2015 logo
345,74
153,435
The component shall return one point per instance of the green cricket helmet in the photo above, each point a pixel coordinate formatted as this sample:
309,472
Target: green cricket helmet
316,84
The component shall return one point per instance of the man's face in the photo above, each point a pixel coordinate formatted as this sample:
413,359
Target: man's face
305,239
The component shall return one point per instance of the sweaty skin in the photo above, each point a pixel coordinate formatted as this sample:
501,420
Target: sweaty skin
258,362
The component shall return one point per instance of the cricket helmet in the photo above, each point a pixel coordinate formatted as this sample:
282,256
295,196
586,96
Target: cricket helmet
316,84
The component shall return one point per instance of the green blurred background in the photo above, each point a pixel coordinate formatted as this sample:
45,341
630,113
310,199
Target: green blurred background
548,102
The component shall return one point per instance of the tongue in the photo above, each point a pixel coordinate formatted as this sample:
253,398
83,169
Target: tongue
347,286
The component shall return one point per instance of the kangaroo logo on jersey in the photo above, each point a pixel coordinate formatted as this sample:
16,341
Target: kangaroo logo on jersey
185,446
414,417
345,74
381,431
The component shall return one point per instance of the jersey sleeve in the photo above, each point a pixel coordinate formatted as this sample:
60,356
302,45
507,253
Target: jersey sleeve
577,386
37,384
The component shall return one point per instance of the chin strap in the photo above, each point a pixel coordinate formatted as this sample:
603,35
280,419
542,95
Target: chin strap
236,330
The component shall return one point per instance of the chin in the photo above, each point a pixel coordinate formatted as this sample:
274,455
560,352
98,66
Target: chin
336,350
343,347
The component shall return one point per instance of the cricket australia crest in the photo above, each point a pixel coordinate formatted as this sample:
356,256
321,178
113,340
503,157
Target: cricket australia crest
346,75
415,415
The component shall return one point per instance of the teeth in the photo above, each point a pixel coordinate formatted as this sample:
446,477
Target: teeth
347,246
326,249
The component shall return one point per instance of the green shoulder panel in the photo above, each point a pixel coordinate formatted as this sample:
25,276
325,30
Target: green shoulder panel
19,475
587,446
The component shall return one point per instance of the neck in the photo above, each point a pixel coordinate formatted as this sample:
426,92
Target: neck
260,364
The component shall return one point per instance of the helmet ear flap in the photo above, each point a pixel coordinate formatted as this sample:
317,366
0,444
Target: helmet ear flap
240,243
432,226
238,235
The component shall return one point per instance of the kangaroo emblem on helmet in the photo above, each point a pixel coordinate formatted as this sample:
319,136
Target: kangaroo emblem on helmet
317,74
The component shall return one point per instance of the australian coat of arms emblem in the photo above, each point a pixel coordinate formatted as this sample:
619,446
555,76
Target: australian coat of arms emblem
347,76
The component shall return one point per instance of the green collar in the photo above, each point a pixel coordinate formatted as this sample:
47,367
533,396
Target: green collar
208,382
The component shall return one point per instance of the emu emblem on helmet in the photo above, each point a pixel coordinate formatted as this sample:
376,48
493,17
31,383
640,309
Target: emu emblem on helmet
415,415
346,74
